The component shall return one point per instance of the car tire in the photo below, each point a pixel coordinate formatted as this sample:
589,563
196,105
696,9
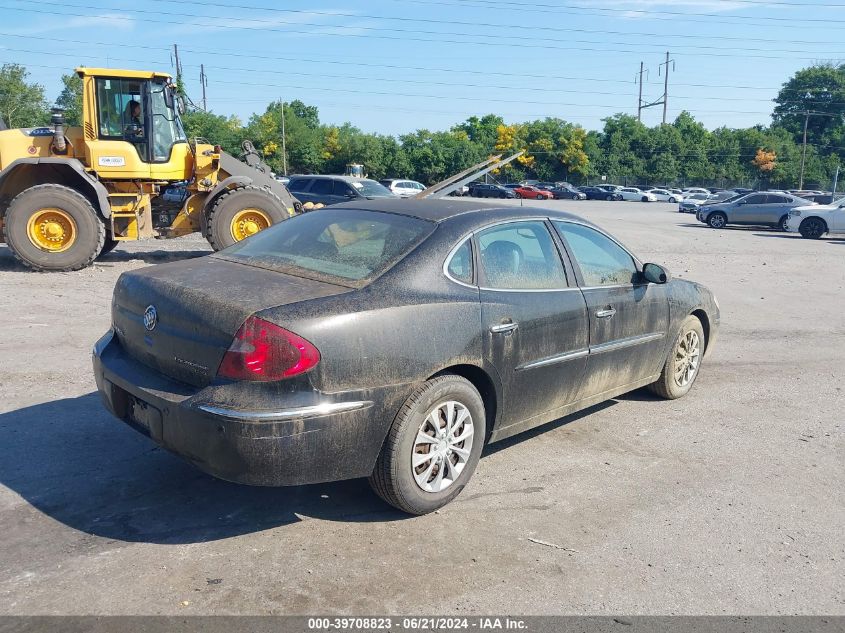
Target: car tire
717,220
644,199
673,199
518,195
683,362
812,228
781,225
266,206
609,198
79,230
395,478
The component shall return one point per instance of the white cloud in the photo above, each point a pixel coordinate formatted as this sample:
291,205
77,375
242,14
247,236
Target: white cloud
98,21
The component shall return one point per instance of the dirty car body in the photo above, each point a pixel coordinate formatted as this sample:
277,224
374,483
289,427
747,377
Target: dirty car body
495,295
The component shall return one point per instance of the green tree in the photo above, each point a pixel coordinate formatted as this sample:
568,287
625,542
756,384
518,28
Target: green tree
214,128
22,103
70,99
819,89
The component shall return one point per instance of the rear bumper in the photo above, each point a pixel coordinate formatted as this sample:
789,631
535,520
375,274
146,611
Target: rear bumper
283,439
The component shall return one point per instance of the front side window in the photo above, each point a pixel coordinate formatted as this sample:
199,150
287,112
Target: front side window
298,185
602,261
322,187
119,104
520,256
339,246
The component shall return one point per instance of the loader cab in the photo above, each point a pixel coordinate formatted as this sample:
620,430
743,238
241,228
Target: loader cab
132,126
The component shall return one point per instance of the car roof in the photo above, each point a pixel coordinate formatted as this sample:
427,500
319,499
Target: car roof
332,177
440,209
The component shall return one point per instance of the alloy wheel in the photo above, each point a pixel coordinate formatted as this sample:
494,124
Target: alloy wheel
687,356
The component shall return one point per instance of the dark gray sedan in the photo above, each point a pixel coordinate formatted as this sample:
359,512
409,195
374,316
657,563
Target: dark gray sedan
760,208
392,339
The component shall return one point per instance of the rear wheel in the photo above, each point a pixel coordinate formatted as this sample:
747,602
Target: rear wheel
782,224
518,195
717,220
433,447
609,198
241,213
52,227
681,367
812,228
673,200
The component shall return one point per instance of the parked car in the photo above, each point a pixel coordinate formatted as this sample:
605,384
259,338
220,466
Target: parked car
690,190
463,190
315,350
175,194
691,202
512,185
485,190
610,188
743,190
530,191
567,193
632,193
722,196
664,195
403,188
763,208
334,189
819,198
814,220
597,193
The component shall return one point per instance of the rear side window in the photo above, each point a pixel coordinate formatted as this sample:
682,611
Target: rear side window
322,187
460,265
520,256
346,247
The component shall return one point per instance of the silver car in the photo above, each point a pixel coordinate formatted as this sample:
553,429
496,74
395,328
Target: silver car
759,208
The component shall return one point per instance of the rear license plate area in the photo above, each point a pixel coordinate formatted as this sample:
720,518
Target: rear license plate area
144,417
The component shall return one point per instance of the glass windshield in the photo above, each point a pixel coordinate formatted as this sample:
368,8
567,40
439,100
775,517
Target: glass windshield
167,128
371,189
338,246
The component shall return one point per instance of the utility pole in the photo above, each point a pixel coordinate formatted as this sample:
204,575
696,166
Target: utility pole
835,180
666,85
804,149
178,69
204,84
284,147
640,100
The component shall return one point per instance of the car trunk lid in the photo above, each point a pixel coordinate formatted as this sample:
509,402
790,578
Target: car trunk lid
198,307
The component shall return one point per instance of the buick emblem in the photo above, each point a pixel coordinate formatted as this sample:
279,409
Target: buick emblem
150,318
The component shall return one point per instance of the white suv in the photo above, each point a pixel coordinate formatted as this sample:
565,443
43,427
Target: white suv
815,220
403,188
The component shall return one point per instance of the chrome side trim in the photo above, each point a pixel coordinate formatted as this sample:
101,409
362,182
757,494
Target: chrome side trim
626,342
553,360
280,415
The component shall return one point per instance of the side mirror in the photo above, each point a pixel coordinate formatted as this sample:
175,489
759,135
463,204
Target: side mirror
350,194
655,274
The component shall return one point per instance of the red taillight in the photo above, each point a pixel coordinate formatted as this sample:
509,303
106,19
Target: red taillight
263,351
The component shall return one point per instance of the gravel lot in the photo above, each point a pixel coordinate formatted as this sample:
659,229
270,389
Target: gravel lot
726,501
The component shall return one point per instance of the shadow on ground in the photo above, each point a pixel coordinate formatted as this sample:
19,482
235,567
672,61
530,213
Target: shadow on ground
75,463
8,263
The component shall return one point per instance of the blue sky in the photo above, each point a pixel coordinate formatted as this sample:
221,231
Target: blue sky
394,66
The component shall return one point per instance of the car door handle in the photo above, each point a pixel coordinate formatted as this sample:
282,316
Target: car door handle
504,328
605,313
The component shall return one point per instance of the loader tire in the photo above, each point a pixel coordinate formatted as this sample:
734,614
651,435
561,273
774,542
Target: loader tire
242,212
55,228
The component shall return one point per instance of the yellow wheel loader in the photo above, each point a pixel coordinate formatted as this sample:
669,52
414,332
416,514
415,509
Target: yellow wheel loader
68,195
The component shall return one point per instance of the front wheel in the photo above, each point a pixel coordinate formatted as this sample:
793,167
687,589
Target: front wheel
717,220
812,228
609,198
433,447
681,367
518,195
673,200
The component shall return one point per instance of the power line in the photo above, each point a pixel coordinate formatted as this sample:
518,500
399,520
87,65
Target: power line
403,38
546,28
256,55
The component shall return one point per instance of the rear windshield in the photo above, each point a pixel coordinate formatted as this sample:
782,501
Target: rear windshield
345,246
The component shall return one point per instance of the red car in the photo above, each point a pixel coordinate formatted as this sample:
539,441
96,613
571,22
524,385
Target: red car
527,191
